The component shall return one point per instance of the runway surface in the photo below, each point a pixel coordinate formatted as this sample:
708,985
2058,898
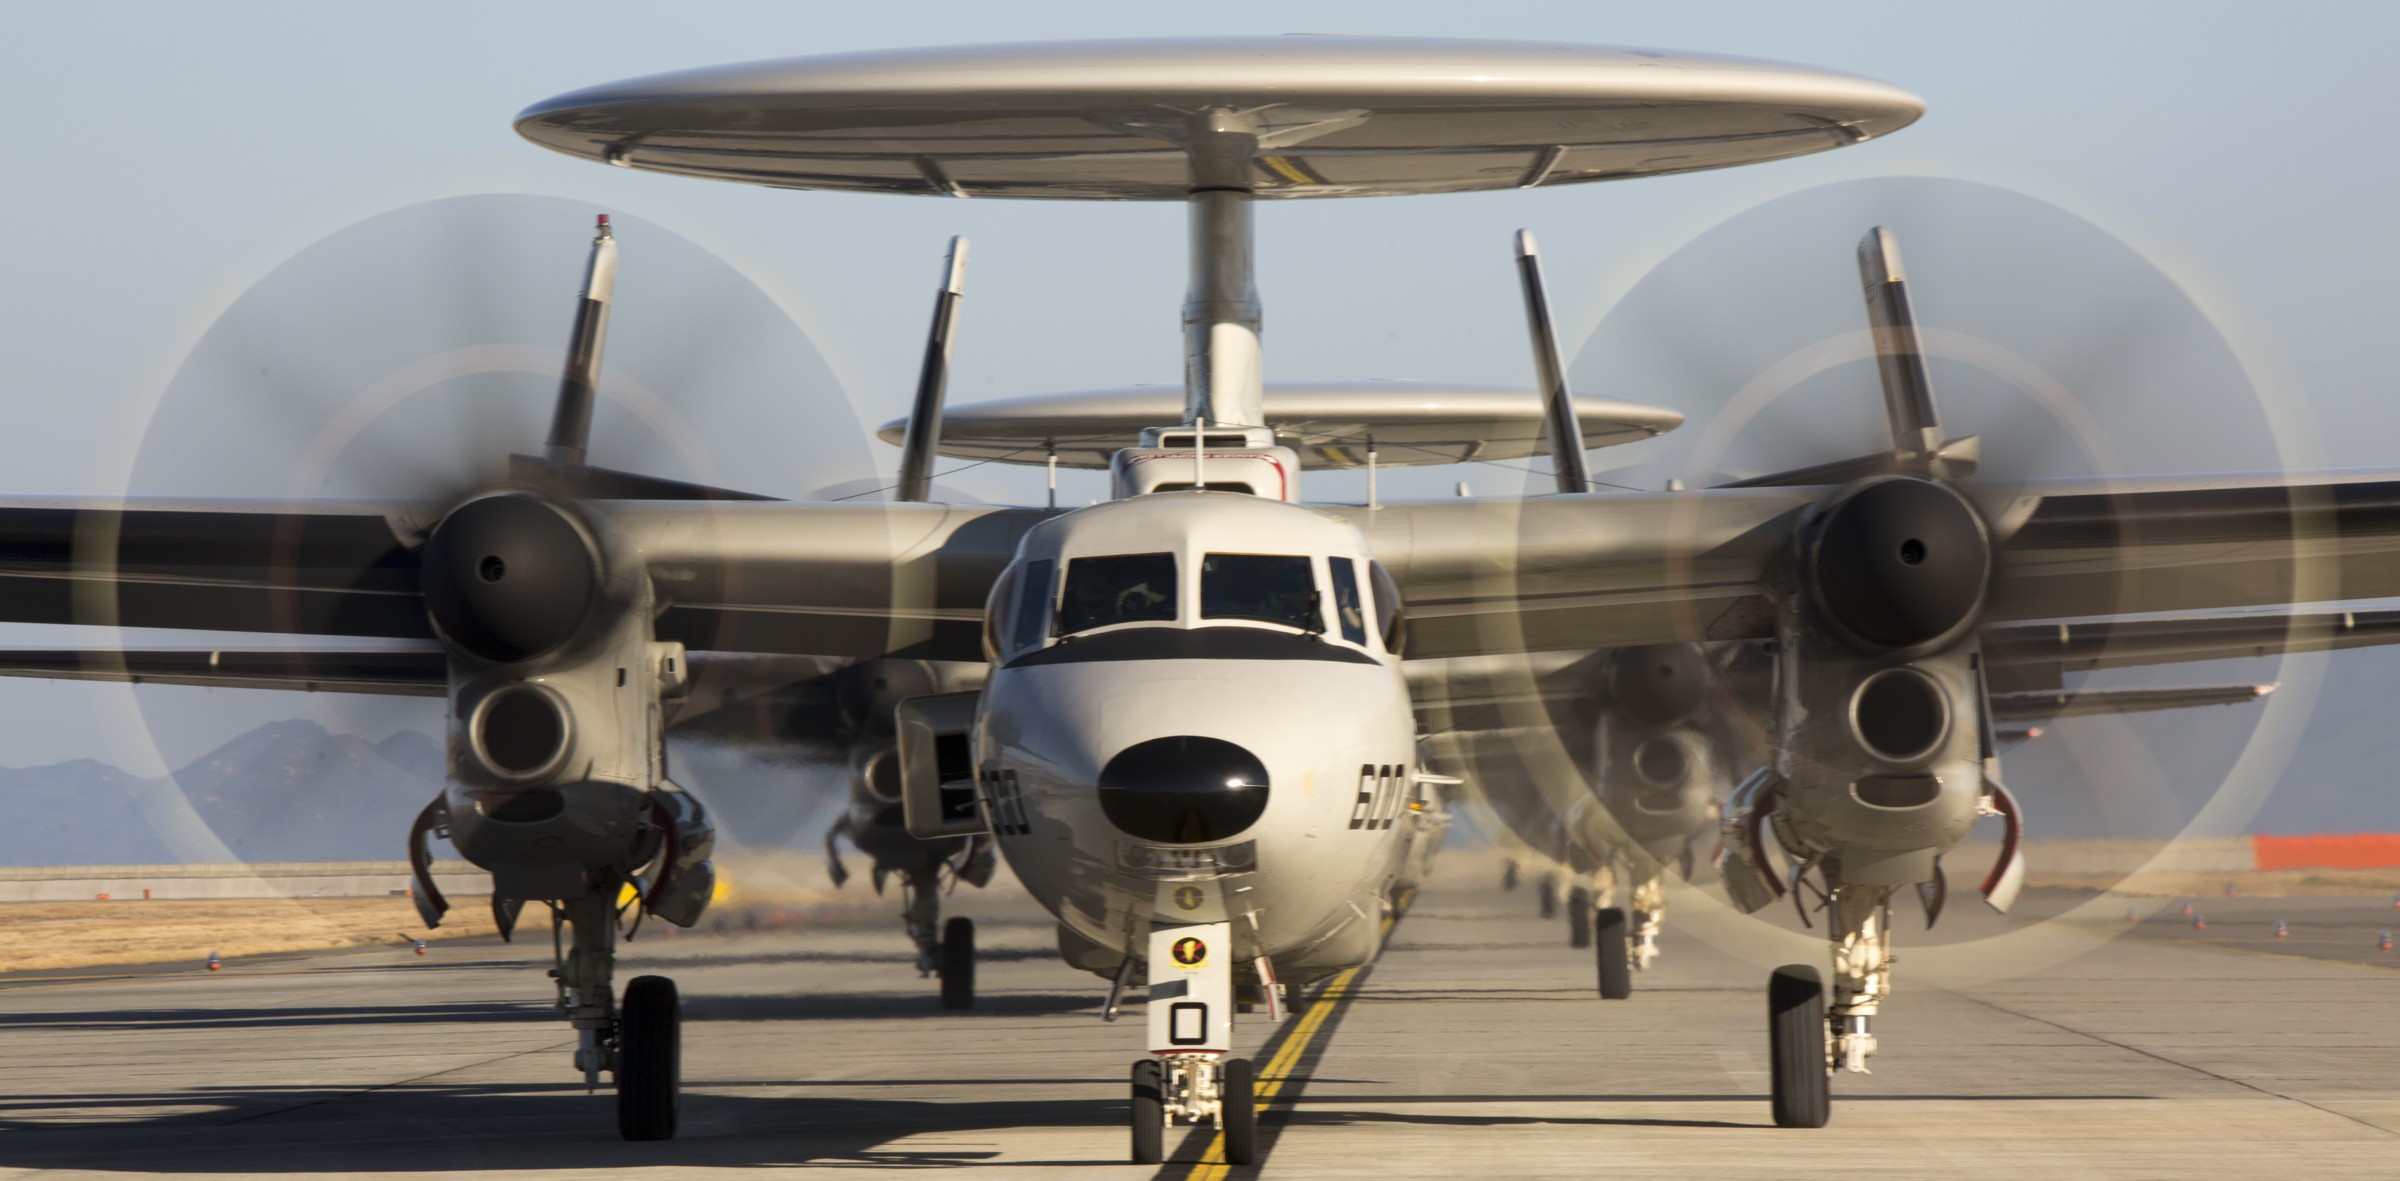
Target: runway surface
1476,1047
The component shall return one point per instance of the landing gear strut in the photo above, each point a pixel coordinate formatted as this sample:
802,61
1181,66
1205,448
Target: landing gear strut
1862,969
1649,914
640,1044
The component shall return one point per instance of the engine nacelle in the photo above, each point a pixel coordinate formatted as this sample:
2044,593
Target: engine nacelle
1879,700
515,577
1895,564
1658,684
556,731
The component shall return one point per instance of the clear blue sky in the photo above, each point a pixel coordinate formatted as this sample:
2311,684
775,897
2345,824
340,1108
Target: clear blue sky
160,150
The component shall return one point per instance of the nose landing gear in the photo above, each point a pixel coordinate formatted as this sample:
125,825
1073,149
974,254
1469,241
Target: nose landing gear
1195,1089
1189,1078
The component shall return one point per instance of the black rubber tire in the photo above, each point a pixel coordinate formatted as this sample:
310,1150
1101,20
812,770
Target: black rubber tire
1149,1112
649,1059
957,965
1579,917
1610,930
1547,891
1508,876
1239,1119
1796,1048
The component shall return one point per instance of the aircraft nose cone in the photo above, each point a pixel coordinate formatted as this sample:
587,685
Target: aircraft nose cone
1183,790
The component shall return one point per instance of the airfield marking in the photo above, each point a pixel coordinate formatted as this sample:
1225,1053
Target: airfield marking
1291,1045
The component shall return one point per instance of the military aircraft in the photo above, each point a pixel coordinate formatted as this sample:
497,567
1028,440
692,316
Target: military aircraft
1195,741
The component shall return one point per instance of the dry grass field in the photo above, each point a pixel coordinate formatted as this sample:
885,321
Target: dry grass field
756,889
42,935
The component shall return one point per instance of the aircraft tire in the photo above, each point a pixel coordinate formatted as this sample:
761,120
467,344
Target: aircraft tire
1239,1116
1615,953
1579,917
1548,895
1796,1047
649,1059
958,964
1149,1113
1508,876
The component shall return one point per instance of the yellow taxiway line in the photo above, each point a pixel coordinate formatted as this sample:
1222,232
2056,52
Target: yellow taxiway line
1280,1068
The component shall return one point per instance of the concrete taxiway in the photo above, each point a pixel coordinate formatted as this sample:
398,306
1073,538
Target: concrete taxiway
1476,1047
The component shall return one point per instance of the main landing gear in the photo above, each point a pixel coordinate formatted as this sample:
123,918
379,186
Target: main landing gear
1799,1054
1189,1077
1811,1038
957,965
640,1043
649,1059
1609,928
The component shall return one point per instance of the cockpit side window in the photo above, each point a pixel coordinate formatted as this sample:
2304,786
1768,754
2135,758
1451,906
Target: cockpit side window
1033,610
995,609
1267,588
1119,588
1391,616
1346,609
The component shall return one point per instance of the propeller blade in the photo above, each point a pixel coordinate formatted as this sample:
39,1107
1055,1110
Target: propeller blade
1559,424
571,423
1900,359
924,436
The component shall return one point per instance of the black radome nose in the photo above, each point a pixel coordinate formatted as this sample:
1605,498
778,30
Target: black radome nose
1183,790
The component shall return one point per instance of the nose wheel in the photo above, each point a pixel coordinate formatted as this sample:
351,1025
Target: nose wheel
1801,1062
1195,1089
957,964
1149,1112
649,1059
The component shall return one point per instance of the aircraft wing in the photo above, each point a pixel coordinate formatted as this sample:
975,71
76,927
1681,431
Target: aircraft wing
722,696
805,579
2028,707
2075,645
405,672
1612,569
1568,572
327,568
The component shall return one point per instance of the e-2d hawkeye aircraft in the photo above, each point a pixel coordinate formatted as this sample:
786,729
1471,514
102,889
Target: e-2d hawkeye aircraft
1195,743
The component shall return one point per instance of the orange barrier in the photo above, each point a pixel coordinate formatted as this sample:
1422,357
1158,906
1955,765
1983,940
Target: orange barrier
2366,850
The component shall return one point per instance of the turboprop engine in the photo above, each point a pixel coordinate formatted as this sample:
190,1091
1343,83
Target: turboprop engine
558,783
557,693
1884,752
1880,702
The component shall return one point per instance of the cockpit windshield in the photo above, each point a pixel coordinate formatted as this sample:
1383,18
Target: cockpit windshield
1268,588
1119,588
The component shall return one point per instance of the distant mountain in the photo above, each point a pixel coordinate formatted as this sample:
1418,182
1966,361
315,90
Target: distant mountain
286,791
292,791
